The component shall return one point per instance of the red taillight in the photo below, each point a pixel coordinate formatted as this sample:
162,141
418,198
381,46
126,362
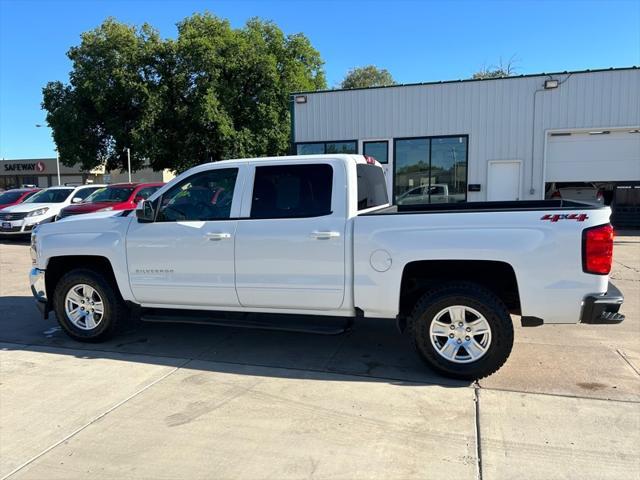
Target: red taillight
556,194
600,196
597,249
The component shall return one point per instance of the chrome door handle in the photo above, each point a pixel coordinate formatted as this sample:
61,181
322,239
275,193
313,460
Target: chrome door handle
217,235
325,235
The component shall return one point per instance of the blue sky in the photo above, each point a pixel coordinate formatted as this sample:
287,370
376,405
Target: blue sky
416,40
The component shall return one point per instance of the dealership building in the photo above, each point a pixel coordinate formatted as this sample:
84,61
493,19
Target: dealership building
513,138
45,172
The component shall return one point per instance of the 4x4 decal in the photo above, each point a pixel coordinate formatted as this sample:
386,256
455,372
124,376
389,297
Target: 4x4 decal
579,217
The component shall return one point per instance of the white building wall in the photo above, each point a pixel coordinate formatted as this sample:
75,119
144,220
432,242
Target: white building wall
498,116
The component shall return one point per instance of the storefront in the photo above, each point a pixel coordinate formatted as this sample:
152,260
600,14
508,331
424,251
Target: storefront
39,172
492,139
43,173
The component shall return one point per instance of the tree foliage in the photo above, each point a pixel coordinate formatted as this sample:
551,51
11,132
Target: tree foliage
368,76
212,93
502,69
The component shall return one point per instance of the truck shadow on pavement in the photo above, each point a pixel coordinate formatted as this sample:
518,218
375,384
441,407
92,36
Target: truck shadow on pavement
373,351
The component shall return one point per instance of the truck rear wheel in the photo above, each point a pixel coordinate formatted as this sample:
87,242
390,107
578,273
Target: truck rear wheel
462,330
88,306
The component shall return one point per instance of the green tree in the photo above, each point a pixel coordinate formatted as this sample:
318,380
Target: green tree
105,107
368,76
226,91
212,93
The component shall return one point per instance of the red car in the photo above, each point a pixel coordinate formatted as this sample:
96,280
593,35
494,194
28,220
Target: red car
119,196
15,196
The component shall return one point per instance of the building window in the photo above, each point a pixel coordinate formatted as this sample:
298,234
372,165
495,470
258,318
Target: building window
378,150
320,148
310,148
430,170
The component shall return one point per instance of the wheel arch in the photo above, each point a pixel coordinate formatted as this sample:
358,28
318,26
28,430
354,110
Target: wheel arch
58,266
418,277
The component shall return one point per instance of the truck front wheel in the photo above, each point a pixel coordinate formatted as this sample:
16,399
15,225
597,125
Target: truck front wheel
462,330
88,306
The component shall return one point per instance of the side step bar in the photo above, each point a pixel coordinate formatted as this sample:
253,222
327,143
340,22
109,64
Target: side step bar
316,324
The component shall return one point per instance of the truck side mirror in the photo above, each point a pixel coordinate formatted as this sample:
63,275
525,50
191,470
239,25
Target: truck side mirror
146,212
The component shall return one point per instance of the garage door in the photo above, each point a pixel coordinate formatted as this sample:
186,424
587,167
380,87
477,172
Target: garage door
599,155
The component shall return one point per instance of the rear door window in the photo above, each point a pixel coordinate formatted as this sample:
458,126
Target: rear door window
292,191
372,187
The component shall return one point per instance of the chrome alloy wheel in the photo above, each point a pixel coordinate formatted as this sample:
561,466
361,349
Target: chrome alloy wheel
460,334
83,307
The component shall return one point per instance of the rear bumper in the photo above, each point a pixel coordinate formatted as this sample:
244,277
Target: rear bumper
603,308
39,291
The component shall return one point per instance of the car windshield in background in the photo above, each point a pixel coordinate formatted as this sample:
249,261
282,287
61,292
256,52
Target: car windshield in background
119,194
54,195
10,197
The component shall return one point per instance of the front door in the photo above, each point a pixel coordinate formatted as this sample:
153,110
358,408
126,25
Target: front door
186,256
290,252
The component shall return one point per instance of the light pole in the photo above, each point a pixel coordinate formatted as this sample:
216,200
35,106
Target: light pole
38,125
129,162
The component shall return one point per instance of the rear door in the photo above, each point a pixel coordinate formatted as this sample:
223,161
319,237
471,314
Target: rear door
290,243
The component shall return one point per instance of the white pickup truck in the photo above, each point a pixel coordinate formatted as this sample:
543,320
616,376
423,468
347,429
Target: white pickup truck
311,243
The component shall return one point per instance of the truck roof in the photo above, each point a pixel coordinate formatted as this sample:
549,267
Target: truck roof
288,158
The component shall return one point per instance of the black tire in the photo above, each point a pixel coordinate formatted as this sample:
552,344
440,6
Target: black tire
478,298
115,310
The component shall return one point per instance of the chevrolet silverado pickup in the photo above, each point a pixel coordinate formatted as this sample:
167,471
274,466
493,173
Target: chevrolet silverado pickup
312,243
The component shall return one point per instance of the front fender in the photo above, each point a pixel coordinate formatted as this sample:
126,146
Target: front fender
104,237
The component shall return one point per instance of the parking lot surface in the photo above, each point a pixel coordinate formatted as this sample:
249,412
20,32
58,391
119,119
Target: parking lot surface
191,401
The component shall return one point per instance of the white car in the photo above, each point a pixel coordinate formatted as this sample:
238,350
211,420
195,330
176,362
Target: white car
41,207
311,243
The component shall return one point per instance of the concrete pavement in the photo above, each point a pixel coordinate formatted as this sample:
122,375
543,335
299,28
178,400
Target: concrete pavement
189,401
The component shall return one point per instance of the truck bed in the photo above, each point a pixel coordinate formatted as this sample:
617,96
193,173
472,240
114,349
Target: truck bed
469,207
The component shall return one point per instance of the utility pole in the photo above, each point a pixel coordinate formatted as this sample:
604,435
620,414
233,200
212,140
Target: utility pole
129,162
58,165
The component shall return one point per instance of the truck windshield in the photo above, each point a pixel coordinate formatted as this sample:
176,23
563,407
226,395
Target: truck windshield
372,190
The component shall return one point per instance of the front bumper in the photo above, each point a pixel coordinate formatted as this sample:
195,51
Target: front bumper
23,226
39,291
603,308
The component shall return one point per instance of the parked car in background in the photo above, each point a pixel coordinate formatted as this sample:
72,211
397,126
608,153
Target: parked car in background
15,196
578,191
42,207
119,196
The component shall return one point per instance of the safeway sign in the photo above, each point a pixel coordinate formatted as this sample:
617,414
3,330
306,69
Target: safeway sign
38,167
